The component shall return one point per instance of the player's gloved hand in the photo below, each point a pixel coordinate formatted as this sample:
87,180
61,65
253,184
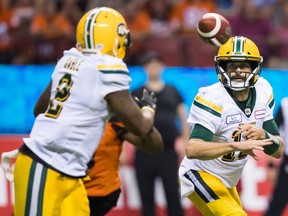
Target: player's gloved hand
148,99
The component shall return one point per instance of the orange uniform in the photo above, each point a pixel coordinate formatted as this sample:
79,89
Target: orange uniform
186,14
105,172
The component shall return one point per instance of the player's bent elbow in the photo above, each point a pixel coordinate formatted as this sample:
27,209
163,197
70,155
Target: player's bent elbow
155,141
194,153
190,153
159,147
141,130
155,149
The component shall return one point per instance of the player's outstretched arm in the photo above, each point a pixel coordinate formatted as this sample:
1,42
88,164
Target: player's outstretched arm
151,143
137,121
202,150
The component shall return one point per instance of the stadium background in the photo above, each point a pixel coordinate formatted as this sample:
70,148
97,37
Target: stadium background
20,87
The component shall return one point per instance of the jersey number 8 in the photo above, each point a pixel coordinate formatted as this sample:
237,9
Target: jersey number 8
62,95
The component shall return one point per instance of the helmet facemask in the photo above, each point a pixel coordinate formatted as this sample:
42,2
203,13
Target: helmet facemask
121,49
247,82
238,49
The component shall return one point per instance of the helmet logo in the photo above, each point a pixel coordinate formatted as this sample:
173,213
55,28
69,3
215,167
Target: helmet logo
122,30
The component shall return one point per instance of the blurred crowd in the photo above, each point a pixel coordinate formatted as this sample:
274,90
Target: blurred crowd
37,31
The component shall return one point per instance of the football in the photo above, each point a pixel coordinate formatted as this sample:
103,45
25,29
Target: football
214,29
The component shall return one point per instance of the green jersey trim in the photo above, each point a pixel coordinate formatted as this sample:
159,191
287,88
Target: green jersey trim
114,72
249,103
271,101
207,106
200,132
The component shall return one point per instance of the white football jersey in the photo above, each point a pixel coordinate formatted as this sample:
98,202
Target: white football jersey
215,109
67,134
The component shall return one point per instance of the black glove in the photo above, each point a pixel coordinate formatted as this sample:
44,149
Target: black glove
148,99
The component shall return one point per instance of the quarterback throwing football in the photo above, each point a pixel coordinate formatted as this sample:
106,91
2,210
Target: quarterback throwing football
231,120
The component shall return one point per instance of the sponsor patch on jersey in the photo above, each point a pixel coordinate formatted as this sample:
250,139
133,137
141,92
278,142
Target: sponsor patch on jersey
232,119
260,114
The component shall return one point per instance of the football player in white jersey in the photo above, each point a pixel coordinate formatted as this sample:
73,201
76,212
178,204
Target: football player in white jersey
89,83
231,120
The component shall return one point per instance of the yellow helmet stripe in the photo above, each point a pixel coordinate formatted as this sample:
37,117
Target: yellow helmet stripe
89,27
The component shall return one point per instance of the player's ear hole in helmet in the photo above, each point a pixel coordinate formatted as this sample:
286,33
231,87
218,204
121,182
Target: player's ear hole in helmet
103,30
238,49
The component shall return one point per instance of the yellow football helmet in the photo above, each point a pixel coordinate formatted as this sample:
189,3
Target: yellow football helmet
238,49
104,30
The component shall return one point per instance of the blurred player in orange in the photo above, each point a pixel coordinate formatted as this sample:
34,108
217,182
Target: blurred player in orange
103,187
103,181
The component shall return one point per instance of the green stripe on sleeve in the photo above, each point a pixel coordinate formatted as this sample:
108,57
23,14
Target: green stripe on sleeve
271,104
114,72
206,108
271,127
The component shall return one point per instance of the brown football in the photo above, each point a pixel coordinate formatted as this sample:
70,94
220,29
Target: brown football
214,29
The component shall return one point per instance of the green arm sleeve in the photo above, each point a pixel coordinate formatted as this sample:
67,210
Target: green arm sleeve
271,129
200,132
